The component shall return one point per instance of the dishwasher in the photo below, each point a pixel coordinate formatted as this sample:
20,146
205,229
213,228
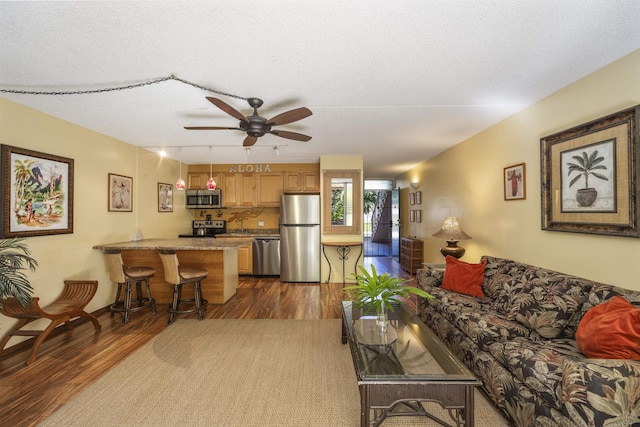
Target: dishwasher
266,256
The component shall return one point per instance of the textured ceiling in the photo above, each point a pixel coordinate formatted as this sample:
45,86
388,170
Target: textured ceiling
394,81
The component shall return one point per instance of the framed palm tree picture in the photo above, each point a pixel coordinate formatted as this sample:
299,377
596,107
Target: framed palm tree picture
589,177
36,193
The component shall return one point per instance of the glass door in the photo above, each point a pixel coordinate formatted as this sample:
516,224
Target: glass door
395,224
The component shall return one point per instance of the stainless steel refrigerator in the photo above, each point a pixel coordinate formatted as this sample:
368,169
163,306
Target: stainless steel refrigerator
300,238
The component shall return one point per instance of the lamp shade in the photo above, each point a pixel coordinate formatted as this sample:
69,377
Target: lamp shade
451,230
211,184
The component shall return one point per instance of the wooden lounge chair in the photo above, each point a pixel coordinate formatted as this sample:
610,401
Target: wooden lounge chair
75,295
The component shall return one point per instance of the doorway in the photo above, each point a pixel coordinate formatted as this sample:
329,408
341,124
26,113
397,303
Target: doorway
381,219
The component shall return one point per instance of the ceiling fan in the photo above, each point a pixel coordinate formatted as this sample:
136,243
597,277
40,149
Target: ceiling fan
256,126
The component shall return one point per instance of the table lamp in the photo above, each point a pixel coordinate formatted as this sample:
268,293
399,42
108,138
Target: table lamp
451,231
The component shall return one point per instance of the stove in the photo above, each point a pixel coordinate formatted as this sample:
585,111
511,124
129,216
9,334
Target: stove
211,228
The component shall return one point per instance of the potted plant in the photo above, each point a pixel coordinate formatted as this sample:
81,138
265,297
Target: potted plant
15,256
379,291
586,165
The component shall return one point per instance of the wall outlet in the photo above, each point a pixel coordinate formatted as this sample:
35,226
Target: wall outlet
260,223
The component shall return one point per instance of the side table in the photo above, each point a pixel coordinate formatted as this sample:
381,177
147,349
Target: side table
343,249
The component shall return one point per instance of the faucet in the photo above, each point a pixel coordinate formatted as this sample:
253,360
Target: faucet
241,225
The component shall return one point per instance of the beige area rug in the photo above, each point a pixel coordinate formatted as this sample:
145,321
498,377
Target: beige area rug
235,373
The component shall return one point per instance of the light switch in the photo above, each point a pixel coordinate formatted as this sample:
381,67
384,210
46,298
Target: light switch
260,223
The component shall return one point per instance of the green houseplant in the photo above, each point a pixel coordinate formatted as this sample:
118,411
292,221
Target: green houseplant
15,257
380,291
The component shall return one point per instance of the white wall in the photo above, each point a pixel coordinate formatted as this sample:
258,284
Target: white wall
467,181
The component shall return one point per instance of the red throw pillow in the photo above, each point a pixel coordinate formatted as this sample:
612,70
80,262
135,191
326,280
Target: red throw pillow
464,278
610,330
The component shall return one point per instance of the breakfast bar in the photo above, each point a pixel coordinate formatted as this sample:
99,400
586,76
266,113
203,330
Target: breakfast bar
218,255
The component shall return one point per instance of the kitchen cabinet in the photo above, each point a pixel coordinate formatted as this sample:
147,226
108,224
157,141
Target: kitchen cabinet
245,259
239,190
304,181
270,188
200,179
411,254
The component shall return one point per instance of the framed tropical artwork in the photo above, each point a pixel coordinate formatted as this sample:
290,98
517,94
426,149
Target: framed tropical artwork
590,175
36,193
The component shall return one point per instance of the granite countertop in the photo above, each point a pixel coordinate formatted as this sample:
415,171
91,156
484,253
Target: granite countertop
251,232
194,244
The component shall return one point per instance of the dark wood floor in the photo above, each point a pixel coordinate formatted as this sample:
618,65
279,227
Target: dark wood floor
70,361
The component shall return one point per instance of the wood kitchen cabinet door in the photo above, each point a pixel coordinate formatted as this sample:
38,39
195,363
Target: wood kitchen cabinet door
197,180
245,260
246,189
228,186
238,190
270,188
311,181
302,181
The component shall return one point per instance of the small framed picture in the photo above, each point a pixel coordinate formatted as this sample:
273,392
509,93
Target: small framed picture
412,198
515,182
165,197
418,215
412,215
120,193
418,198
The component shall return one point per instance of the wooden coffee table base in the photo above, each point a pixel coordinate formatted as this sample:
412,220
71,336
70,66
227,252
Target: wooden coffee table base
403,399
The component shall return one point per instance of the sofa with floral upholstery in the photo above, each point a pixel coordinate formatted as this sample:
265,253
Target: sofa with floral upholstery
517,332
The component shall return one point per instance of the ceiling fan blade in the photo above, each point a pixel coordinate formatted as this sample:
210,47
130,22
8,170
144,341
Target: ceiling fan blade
290,135
227,108
249,141
210,128
290,116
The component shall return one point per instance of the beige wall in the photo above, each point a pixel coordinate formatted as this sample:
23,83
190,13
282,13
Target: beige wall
467,181
69,256
337,163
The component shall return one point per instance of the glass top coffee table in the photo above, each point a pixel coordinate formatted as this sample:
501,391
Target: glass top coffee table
404,366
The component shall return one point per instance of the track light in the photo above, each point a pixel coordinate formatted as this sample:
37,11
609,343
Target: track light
276,150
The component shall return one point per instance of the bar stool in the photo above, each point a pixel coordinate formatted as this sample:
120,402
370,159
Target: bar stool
178,276
126,276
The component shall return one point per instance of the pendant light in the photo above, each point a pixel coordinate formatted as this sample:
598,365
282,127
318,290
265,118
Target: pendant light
211,184
180,181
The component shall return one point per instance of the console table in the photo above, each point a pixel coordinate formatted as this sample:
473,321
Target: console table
343,249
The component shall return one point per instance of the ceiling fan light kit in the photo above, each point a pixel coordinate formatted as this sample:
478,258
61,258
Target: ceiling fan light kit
255,125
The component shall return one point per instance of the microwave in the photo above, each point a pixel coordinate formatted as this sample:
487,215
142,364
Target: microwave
203,199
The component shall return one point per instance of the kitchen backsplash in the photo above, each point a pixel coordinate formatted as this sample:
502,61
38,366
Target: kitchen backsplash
252,218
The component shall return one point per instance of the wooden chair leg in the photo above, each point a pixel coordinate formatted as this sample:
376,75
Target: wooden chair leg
93,319
41,338
5,339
